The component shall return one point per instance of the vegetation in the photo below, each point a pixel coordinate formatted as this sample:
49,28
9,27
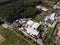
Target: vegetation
11,38
53,0
29,39
49,38
23,9
18,9
29,12
2,0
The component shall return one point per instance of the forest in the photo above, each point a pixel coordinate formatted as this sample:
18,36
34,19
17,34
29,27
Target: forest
19,9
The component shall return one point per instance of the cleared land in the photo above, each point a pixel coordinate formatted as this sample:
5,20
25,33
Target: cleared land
2,39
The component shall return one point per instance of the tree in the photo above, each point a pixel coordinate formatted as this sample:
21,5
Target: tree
29,12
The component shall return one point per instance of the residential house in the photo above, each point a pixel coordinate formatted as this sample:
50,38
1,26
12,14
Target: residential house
57,6
50,20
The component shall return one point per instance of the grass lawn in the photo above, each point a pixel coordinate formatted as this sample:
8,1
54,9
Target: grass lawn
29,39
22,42
49,38
49,12
11,38
39,17
50,31
51,5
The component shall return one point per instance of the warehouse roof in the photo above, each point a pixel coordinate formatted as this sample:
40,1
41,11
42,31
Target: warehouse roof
32,24
32,32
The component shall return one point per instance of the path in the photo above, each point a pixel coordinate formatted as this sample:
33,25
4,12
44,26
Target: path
17,42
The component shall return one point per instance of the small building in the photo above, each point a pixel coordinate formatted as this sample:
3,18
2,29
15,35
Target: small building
42,8
20,22
5,25
57,6
50,19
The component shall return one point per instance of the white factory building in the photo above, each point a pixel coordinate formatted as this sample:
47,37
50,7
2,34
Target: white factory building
32,27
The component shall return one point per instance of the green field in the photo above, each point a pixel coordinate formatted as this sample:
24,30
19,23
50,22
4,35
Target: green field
11,38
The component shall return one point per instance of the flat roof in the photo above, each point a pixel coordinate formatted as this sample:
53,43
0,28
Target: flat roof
35,25
32,31
32,24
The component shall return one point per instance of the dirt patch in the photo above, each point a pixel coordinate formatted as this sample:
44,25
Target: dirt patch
2,39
